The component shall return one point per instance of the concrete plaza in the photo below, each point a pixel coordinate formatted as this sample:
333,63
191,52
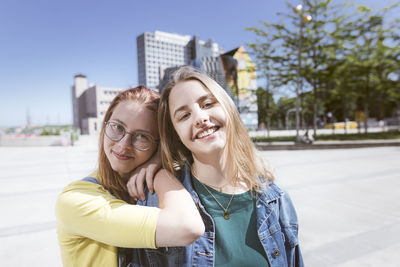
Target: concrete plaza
346,199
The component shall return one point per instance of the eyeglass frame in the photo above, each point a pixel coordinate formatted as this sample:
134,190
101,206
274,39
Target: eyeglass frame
133,134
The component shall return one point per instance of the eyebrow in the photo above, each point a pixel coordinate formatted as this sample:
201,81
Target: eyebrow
120,122
200,99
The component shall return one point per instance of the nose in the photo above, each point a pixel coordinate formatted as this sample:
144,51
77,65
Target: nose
126,140
201,117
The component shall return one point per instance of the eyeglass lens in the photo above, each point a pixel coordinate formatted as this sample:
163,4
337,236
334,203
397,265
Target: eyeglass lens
116,132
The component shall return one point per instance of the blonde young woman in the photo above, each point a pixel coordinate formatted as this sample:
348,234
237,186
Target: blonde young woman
249,220
97,214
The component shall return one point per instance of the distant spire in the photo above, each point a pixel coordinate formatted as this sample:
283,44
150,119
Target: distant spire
80,75
28,119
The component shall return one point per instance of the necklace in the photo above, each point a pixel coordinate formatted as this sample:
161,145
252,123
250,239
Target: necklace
218,188
227,215
213,186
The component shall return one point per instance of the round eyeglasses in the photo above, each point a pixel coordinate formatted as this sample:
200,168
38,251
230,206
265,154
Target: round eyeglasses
140,140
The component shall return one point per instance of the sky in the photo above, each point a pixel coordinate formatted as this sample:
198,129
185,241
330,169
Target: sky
44,43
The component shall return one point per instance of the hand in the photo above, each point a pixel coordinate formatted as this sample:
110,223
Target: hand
144,174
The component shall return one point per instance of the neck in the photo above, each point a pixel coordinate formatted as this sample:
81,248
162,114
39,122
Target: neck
124,176
209,173
214,173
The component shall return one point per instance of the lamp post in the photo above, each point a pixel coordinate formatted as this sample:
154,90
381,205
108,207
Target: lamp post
303,18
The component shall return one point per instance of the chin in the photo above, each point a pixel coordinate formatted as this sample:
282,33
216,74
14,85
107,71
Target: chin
122,170
209,149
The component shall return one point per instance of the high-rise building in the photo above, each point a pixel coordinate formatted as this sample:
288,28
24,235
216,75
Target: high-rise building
160,54
89,104
157,51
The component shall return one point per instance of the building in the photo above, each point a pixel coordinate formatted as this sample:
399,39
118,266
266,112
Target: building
241,78
89,104
235,72
160,53
157,51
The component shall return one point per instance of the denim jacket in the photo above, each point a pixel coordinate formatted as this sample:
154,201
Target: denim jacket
277,228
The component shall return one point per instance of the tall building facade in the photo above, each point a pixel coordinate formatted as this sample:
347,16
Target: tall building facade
160,54
89,104
157,51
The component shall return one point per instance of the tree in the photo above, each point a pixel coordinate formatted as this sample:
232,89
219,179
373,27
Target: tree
347,61
266,107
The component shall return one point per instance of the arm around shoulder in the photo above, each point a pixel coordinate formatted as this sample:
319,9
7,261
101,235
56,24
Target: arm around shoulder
179,222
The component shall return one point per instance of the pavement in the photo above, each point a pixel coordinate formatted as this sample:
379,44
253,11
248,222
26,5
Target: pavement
346,200
347,203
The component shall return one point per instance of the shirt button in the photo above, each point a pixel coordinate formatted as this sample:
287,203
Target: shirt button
258,206
276,253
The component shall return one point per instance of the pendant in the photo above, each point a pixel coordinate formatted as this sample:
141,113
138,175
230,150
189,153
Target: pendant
226,215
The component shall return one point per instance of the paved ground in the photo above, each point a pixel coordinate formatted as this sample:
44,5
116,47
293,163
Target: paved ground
347,202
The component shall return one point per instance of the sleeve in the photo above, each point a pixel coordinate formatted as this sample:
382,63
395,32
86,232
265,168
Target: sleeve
88,210
289,224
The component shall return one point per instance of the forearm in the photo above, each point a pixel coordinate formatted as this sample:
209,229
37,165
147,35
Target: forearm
179,222
93,213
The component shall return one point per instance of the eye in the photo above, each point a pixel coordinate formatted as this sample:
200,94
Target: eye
117,127
183,116
208,103
143,137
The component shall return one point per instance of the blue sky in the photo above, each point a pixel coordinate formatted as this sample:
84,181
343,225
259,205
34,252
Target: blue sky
44,43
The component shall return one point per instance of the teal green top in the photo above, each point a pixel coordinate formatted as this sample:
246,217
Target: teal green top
236,239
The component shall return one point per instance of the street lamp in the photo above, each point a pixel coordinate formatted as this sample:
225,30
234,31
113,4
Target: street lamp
303,19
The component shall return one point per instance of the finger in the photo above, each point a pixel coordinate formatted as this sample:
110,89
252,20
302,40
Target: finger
135,172
131,185
150,172
128,187
140,180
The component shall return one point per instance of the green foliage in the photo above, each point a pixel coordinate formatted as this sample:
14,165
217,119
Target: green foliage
50,131
267,109
360,136
54,129
343,61
10,131
274,139
334,137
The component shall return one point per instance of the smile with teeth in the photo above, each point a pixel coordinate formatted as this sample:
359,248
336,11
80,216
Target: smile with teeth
207,132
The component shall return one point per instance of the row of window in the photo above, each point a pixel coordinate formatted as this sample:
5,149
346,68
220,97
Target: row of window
152,71
165,56
165,46
162,44
150,77
165,62
106,92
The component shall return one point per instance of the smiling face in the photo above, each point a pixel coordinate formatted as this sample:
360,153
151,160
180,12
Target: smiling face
198,118
134,117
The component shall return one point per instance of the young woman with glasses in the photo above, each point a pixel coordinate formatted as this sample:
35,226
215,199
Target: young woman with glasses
97,215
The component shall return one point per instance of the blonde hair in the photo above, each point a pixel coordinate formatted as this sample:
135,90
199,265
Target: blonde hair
240,152
109,178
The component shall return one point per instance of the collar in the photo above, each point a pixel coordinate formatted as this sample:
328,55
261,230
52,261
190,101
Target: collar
186,179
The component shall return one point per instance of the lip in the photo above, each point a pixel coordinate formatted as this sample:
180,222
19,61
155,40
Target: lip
216,128
121,156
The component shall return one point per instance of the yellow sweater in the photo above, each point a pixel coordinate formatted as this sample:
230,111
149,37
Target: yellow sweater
92,223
